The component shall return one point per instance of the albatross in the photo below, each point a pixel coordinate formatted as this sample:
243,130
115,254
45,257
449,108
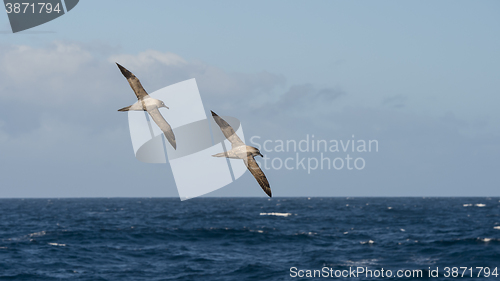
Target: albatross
240,150
147,103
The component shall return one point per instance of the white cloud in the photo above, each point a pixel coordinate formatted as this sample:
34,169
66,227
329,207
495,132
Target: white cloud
157,70
61,125
52,76
23,64
147,59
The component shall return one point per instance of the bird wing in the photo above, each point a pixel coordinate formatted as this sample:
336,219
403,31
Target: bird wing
228,131
254,168
134,82
164,126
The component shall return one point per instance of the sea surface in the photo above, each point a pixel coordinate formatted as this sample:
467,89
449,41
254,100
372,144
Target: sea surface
249,238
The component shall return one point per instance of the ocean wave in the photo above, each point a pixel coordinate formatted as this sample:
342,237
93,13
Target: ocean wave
232,239
465,241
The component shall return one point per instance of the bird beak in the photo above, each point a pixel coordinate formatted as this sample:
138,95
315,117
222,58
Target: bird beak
261,155
166,106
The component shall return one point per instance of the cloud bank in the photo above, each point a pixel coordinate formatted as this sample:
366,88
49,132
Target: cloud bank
60,133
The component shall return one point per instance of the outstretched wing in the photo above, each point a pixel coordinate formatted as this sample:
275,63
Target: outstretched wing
164,126
228,131
258,174
134,82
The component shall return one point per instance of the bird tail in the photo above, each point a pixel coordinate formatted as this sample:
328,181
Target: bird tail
222,154
125,108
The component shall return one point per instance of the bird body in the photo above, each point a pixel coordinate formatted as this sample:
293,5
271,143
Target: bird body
145,104
240,152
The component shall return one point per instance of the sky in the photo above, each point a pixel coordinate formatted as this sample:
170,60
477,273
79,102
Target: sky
418,78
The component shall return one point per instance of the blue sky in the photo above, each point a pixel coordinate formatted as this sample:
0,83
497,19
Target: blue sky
421,77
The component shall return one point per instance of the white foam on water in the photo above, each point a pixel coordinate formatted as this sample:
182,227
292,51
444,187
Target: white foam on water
367,242
276,214
41,233
55,244
306,233
480,205
496,227
363,263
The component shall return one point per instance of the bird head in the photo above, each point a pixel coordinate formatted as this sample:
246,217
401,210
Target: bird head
253,151
257,152
163,105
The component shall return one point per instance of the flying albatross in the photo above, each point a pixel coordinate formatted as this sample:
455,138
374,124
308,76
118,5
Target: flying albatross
240,150
147,103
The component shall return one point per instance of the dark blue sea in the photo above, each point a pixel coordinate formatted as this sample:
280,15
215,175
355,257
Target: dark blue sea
249,239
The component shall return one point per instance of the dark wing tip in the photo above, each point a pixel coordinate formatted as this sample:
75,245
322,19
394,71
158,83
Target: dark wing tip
213,113
169,134
125,71
171,138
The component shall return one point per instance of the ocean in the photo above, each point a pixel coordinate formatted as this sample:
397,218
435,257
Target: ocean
250,239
